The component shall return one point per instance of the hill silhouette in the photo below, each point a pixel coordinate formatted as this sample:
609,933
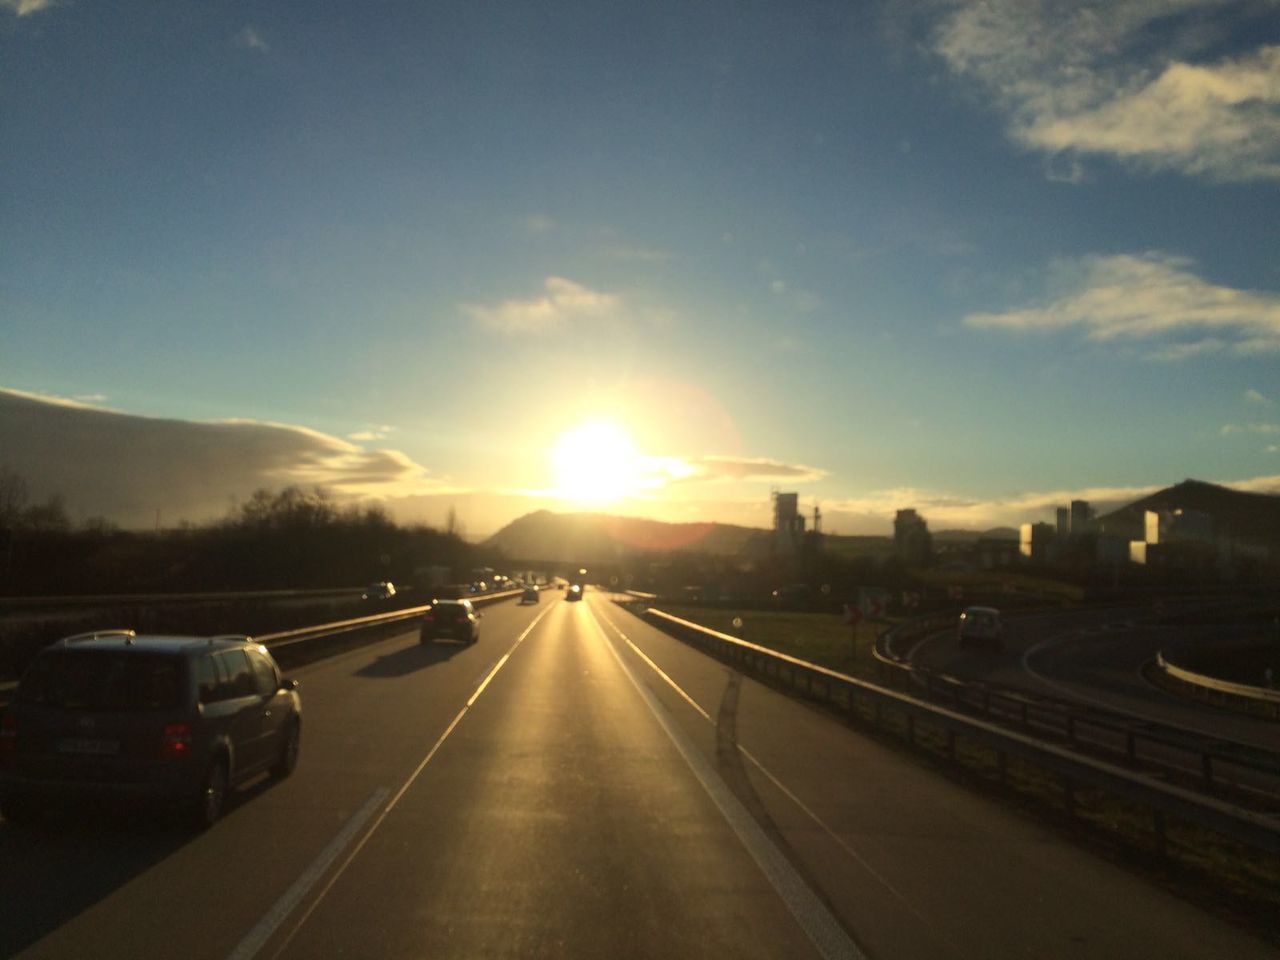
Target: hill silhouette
1249,517
601,537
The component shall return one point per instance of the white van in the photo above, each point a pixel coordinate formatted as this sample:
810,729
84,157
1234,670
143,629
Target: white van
981,626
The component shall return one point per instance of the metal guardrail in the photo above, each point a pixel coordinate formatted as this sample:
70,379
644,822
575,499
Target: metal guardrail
288,638
1216,764
1210,688
1073,770
275,641
75,600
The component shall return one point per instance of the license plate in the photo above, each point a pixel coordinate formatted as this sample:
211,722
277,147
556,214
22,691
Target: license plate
95,748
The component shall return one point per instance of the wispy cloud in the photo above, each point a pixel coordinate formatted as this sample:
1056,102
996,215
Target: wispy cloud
376,432
1155,296
1253,396
1266,429
1135,80
565,303
251,39
24,8
712,468
539,224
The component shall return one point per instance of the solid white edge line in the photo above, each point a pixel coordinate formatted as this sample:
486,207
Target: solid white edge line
355,851
818,923
766,772
270,922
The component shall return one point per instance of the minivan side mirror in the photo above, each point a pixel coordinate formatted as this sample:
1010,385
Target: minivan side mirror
288,684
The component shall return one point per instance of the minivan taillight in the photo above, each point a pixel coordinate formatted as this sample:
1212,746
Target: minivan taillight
8,735
175,742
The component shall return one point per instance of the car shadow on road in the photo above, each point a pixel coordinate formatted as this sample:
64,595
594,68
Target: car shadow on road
406,660
60,865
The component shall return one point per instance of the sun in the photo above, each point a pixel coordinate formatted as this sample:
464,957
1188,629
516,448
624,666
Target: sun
597,462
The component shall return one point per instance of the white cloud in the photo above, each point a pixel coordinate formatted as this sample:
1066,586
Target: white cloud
250,39
539,224
1155,296
1254,396
125,467
25,8
565,303
1266,429
375,432
1136,80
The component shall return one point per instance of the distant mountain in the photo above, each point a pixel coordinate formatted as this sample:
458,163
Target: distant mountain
1250,517
601,537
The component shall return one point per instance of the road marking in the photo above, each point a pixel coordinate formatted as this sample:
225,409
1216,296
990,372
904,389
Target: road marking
755,762
250,946
261,933
818,923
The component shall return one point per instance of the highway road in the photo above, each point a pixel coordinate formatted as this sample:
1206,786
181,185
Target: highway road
578,784
1094,657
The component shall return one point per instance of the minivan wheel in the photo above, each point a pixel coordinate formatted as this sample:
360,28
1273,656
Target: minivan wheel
213,795
288,759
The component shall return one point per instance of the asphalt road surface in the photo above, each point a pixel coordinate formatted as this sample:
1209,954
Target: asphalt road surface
578,784
1095,657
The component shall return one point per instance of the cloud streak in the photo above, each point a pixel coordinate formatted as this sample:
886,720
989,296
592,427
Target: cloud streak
24,8
564,304
1134,80
1155,296
250,39
715,468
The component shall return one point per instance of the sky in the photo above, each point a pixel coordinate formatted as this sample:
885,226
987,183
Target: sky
976,257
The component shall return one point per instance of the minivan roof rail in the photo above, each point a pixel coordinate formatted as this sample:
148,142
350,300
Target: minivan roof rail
99,635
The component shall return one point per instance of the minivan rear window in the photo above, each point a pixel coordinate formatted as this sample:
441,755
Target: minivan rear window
104,680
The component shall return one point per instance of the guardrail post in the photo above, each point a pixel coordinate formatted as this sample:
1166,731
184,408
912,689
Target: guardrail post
1159,832
951,743
1068,796
1206,769
1071,729
911,729
1131,748
1002,765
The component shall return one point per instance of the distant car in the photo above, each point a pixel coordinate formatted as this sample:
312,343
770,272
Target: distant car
383,590
981,626
454,619
530,595
574,592
178,720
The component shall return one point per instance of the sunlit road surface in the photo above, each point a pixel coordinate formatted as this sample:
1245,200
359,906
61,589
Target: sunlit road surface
549,792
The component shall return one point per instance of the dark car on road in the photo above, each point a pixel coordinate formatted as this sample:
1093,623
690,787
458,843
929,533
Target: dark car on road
530,595
574,592
451,619
382,590
179,720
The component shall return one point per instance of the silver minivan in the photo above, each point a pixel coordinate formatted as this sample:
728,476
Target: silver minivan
181,721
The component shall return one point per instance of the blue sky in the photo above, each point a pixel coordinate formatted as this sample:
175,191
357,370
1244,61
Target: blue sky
970,257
